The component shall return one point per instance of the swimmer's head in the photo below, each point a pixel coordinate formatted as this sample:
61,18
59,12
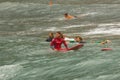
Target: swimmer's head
66,14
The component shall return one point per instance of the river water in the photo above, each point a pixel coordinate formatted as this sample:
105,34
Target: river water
25,24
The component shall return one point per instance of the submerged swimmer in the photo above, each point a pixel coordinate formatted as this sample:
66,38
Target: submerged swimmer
50,3
106,45
50,37
105,42
79,39
68,16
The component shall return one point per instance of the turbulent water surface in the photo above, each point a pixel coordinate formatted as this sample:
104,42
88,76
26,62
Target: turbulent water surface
25,24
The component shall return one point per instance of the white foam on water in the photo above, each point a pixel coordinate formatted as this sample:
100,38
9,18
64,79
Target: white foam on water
115,31
71,26
53,29
110,25
77,26
108,29
9,71
87,14
108,77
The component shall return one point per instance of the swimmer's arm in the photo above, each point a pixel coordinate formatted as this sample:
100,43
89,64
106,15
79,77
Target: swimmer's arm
52,44
65,44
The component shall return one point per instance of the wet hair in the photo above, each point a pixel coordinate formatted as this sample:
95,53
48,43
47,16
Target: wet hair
61,35
79,37
66,14
52,35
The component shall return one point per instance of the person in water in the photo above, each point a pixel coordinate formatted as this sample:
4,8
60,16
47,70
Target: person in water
79,39
51,36
68,16
105,42
58,41
50,3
